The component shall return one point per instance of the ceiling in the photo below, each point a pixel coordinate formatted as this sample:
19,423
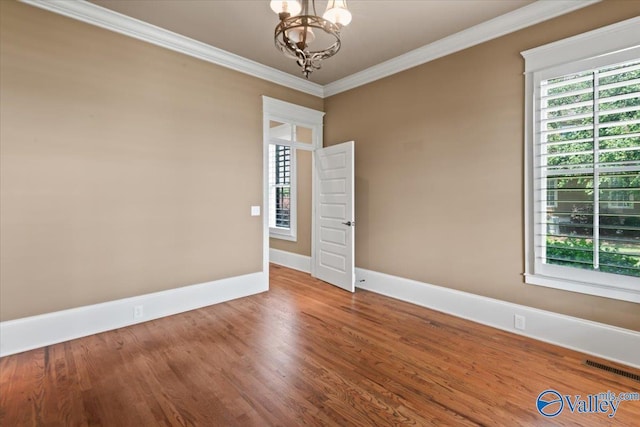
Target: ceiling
380,30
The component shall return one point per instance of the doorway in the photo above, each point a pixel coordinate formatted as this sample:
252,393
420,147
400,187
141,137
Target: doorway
304,226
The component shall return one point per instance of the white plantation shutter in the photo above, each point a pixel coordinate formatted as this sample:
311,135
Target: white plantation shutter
583,181
590,157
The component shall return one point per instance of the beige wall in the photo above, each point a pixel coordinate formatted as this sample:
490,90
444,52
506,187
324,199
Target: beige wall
126,168
302,245
439,170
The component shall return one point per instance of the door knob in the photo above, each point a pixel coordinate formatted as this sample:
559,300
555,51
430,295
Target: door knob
350,223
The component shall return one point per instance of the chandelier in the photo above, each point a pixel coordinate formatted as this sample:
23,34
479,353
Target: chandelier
307,37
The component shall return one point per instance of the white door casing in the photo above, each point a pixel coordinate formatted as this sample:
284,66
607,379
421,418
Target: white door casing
334,220
275,110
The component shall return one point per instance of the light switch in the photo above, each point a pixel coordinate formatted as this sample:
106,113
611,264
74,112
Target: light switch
255,210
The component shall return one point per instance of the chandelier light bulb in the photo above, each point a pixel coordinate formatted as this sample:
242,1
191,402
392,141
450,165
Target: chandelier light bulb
286,7
337,12
295,35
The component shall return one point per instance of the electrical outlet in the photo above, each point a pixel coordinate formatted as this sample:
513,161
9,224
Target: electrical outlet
518,322
138,312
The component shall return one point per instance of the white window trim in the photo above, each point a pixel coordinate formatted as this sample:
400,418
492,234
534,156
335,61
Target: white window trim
581,52
291,233
285,112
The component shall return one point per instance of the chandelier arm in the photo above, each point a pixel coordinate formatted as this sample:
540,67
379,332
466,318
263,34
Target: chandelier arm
305,33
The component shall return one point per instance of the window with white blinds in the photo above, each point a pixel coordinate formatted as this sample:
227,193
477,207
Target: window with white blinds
280,188
584,176
284,139
590,156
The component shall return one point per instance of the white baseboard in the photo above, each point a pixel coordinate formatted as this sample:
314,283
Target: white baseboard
605,341
291,260
38,331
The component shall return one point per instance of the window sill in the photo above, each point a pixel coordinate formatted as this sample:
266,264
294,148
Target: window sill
584,288
279,235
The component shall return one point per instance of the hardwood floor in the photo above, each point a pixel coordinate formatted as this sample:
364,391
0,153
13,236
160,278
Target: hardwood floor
304,353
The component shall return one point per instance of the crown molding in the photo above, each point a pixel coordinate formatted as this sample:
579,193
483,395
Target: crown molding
529,15
513,21
93,14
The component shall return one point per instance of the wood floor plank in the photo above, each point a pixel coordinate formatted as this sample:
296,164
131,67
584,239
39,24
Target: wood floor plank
304,353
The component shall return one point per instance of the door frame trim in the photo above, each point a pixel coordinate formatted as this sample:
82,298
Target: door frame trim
286,112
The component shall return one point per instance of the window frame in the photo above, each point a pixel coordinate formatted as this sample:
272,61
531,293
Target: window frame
286,233
601,47
285,136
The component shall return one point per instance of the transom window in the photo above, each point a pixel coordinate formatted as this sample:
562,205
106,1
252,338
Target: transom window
583,170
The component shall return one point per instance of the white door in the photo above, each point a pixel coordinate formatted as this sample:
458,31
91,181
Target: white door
334,220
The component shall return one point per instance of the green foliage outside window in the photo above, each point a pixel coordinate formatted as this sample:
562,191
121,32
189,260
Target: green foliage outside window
579,253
